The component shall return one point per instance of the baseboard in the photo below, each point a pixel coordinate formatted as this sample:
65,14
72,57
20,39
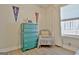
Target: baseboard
57,45
9,49
70,48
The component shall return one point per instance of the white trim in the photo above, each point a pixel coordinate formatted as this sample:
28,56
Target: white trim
9,49
70,48
71,36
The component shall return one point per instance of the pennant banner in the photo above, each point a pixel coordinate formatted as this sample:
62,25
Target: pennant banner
15,11
36,15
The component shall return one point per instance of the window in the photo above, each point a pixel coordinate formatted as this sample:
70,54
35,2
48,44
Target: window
70,19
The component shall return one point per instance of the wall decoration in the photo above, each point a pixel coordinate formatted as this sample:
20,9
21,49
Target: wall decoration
15,11
29,21
36,15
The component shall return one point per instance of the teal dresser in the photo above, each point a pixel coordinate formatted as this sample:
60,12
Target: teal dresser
29,36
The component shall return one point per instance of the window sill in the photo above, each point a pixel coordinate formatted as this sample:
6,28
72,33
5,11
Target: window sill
71,36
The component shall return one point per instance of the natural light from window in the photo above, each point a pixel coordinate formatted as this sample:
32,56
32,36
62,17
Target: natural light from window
70,19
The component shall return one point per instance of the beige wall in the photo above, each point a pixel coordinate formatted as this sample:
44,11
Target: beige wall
71,43
54,23
3,20
10,30
53,17
51,22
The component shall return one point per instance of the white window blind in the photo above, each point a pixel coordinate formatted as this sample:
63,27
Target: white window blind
70,20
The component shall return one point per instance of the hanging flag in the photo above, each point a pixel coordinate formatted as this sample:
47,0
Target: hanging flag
15,11
36,15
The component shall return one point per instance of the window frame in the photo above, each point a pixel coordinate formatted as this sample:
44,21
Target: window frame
71,24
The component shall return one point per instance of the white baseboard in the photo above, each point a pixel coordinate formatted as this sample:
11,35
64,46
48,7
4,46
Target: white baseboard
70,48
9,49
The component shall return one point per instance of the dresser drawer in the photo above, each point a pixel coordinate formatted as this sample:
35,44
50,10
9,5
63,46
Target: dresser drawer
30,35
29,44
30,26
30,39
31,30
